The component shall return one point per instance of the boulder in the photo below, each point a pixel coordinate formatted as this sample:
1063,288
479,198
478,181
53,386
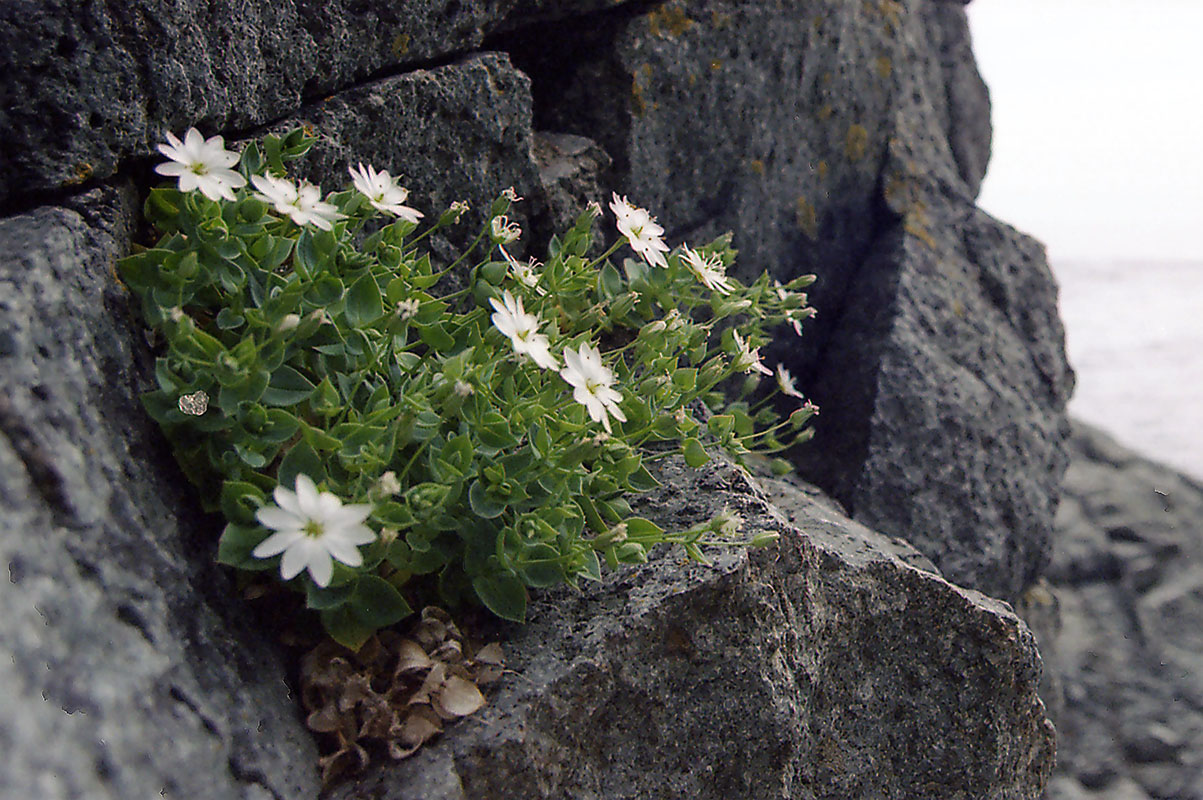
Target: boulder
1127,583
849,140
132,667
830,665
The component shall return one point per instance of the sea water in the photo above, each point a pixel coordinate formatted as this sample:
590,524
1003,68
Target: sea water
1134,332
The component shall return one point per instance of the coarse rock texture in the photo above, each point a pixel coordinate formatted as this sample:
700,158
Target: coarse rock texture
89,85
1126,582
825,666
131,668
846,139
849,140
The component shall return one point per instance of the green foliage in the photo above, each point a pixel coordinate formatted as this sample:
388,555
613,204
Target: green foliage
330,354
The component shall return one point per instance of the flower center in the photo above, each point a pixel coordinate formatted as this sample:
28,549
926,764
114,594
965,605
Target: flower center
314,529
200,168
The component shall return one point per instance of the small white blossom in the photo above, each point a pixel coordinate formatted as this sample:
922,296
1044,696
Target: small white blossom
302,203
464,389
511,195
201,163
407,309
383,192
288,322
641,231
785,382
523,330
453,213
594,208
794,318
592,384
310,528
503,231
524,273
386,485
709,270
748,359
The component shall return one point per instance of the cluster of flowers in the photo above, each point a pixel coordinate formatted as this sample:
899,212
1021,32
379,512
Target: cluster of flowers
311,529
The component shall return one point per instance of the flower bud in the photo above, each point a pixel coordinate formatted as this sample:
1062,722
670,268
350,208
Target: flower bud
386,485
288,322
453,213
503,231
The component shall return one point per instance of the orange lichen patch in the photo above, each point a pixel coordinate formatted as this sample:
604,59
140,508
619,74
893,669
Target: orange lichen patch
856,143
822,170
668,20
883,65
892,10
638,101
807,218
958,308
818,21
719,21
915,223
825,112
395,694
757,166
79,174
400,44
715,65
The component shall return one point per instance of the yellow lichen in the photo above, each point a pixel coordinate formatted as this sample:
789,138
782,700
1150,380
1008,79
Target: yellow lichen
667,21
883,65
401,44
757,166
807,218
822,170
719,21
715,65
856,142
825,112
80,174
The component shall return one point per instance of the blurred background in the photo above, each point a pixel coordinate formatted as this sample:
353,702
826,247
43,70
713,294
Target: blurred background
1098,152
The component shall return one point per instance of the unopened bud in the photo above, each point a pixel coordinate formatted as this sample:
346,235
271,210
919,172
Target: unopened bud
288,322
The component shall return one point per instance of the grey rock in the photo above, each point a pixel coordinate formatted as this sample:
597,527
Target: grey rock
88,86
131,669
822,667
457,132
849,140
1127,572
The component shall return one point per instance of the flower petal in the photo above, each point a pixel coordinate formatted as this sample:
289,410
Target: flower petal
277,543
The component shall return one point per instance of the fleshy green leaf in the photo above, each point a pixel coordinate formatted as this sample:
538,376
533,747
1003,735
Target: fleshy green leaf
377,603
503,594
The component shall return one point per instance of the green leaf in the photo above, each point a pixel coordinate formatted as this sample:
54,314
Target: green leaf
345,628
364,304
503,594
609,282
377,603
235,546
641,480
322,599
324,291
436,336
591,568
695,454
644,530
300,460
287,387
483,505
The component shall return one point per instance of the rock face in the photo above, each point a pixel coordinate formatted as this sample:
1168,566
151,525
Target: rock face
837,138
1127,583
849,140
131,668
823,667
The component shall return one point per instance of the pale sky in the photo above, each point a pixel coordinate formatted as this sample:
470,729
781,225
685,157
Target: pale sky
1098,124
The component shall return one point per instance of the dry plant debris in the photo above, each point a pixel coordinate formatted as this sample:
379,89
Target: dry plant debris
394,694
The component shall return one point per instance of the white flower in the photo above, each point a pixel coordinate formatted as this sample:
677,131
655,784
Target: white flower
594,208
386,485
408,309
464,389
511,195
795,319
303,203
310,527
641,231
523,330
201,163
785,382
708,270
383,193
592,384
503,231
748,359
524,273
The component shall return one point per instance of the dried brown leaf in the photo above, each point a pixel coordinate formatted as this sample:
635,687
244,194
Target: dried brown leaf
418,728
489,654
457,698
412,658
